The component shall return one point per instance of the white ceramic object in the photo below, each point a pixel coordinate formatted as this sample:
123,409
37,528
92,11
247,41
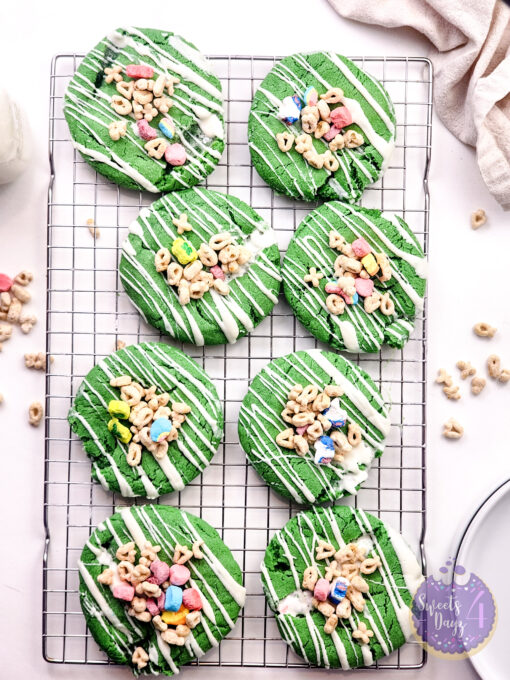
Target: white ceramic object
483,552
14,138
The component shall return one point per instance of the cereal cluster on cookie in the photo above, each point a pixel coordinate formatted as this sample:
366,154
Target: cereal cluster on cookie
142,98
194,272
324,117
311,413
156,592
153,423
355,269
342,587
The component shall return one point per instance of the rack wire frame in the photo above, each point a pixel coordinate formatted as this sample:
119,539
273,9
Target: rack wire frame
88,311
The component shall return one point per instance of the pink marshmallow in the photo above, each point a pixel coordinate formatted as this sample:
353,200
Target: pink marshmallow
152,606
5,283
124,591
301,430
139,71
191,599
341,117
175,154
179,574
217,272
145,130
360,247
161,601
321,590
331,133
364,287
160,571
333,289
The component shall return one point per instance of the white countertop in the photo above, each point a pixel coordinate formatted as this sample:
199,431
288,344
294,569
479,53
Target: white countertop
464,266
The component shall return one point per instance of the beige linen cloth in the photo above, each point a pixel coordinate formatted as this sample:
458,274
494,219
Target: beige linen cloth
472,70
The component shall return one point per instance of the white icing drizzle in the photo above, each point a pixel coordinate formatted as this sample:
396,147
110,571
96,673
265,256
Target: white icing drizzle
144,523
261,423
297,603
101,601
380,420
371,330
229,313
408,563
85,102
237,590
171,374
340,650
166,651
349,335
361,88
132,526
208,122
299,545
119,164
100,477
295,177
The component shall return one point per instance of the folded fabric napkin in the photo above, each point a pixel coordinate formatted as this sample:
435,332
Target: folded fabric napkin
472,70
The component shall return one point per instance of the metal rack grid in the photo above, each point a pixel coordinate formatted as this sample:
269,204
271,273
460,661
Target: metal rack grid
88,311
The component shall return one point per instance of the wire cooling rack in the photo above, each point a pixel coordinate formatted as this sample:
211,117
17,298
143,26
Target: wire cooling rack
88,312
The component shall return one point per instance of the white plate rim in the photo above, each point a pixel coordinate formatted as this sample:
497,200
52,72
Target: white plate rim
465,543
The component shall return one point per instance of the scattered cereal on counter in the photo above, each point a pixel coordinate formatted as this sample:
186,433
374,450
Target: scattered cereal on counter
452,429
478,219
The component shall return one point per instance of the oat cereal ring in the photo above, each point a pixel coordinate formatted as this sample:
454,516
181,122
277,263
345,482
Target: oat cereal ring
335,304
35,413
162,259
333,96
285,141
494,366
303,143
484,330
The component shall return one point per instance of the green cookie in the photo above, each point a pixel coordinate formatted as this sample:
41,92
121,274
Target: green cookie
386,607
372,114
171,372
216,576
214,318
355,330
196,111
260,421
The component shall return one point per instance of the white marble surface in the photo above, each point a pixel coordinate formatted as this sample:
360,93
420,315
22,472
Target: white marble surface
468,283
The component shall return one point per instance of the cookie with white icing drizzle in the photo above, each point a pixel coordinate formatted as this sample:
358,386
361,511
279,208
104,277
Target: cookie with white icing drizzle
355,329
261,420
172,373
215,575
383,608
214,317
368,105
196,110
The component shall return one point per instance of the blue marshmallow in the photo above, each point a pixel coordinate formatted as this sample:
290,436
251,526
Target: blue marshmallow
167,127
173,599
335,414
338,590
324,450
297,101
160,428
